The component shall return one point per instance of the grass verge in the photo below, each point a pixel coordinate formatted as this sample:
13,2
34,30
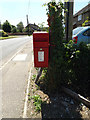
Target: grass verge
3,38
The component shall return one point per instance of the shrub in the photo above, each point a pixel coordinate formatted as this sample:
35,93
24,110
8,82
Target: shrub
77,66
3,34
74,68
37,102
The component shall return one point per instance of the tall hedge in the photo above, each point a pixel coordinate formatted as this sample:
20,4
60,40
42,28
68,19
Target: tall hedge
55,22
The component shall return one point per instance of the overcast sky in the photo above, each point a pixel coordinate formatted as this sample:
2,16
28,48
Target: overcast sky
16,10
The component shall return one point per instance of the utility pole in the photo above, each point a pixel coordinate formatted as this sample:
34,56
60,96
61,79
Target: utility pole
0,28
0,24
28,24
69,20
27,19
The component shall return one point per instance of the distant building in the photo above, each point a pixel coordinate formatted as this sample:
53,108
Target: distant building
33,27
82,17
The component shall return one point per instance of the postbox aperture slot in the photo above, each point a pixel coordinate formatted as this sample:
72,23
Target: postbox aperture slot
41,40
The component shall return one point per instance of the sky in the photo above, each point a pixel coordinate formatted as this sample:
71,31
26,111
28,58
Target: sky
15,11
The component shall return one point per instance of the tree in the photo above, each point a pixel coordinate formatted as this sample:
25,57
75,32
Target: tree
14,29
20,26
56,65
6,26
41,25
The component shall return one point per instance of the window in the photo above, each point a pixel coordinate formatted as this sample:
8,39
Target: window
79,17
87,33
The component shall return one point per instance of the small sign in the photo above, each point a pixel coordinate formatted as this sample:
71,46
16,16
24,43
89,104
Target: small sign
41,56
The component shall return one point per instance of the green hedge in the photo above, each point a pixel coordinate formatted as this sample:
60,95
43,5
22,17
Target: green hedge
73,69
77,62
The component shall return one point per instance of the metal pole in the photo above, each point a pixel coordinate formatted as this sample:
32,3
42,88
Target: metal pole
28,25
0,24
69,20
67,25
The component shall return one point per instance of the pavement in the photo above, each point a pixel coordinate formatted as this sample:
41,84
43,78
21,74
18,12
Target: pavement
14,82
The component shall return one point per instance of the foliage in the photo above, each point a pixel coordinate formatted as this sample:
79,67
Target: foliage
42,27
75,68
6,26
86,21
37,102
68,64
77,61
3,34
20,27
28,30
14,29
55,22
33,77
25,29
9,37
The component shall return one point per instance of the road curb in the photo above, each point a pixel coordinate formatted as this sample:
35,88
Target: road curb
27,91
26,98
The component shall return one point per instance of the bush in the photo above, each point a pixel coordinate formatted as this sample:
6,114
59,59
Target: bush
73,69
3,34
77,66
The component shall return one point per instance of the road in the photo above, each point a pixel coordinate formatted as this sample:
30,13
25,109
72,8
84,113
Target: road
17,57
10,46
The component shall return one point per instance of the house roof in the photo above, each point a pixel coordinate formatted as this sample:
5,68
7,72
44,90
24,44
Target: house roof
83,10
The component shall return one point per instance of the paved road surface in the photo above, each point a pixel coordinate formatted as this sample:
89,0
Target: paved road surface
9,46
15,75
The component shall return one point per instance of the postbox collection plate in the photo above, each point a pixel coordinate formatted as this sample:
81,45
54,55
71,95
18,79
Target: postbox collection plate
40,56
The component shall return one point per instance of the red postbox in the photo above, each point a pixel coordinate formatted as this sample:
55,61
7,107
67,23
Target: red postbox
41,49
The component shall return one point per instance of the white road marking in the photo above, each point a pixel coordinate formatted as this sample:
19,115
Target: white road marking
26,99
20,57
